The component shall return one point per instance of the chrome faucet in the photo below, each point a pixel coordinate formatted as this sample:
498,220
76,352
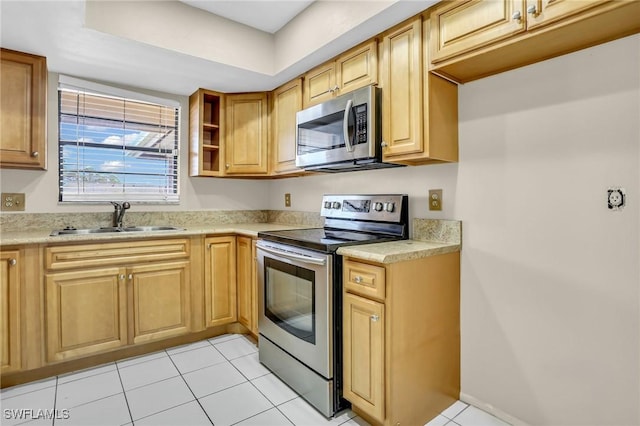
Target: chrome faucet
118,214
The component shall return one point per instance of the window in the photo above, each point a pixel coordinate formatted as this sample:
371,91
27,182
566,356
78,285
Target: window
116,145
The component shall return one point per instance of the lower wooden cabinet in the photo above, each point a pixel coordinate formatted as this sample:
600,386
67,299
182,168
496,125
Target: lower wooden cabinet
160,300
220,281
364,354
10,312
86,312
401,338
104,296
247,283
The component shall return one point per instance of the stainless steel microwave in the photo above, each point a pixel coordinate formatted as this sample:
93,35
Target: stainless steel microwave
342,134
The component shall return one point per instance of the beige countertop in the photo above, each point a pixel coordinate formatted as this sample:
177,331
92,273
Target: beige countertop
43,237
398,251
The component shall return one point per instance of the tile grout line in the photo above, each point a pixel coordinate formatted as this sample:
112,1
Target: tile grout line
55,403
126,400
189,387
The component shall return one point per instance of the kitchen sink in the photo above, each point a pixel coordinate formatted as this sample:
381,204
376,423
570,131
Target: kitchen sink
75,231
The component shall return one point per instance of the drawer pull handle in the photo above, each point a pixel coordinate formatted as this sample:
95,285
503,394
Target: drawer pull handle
374,318
357,279
13,262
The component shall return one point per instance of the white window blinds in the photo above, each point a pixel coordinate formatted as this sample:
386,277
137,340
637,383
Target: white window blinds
117,146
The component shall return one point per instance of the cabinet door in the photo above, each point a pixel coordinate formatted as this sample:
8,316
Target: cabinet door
86,312
402,90
460,26
23,110
287,101
220,281
160,301
319,84
364,355
357,68
542,12
10,263
245,283
246,141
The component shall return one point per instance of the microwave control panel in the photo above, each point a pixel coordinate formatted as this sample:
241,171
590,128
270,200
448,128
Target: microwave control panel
361,123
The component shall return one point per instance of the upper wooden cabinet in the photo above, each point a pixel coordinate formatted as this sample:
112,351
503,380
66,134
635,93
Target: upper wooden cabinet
23,81
353,69
420,110
246,134
206,135
471,39
10,312
286,102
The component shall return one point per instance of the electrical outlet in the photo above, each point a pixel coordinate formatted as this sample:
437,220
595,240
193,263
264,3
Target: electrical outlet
287,200
12,202
435,199
615,198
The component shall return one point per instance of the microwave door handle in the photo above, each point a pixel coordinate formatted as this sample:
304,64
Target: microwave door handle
345,125
305,259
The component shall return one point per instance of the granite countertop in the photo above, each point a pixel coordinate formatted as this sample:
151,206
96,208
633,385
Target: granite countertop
42,236
398,251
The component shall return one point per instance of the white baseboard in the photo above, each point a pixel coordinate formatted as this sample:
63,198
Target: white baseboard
472,400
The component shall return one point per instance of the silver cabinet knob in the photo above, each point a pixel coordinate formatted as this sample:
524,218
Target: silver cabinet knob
374,318
517,16
227,165
531,10
121,276
209,246
13,262
130,276
336,88
384,144
357,279
35,154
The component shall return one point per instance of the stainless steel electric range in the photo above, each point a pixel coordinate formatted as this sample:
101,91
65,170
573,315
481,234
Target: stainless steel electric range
300,292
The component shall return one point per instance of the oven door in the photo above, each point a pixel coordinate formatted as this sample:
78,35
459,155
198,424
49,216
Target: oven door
295,303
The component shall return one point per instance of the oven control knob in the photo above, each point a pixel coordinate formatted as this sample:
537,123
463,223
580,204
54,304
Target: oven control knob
378,207
327,204
335,205
390,207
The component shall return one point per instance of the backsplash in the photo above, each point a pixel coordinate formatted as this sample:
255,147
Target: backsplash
37,221
437,230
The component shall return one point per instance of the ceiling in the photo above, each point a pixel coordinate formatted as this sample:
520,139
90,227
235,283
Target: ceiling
268,16
176,47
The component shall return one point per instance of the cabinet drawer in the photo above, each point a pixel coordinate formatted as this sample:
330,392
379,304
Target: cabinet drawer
364,279
103,254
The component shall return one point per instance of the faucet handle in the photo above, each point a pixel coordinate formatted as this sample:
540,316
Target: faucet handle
126,205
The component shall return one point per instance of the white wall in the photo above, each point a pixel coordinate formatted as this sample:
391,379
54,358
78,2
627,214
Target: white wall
550,276
41,187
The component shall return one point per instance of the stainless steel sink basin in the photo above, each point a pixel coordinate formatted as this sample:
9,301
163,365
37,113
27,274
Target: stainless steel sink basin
74,231
151,228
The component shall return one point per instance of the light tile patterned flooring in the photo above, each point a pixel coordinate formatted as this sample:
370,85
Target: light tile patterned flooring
216,381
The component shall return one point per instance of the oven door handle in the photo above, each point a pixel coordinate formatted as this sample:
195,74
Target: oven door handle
305,259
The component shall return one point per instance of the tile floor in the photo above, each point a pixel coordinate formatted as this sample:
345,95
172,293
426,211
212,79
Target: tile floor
216,381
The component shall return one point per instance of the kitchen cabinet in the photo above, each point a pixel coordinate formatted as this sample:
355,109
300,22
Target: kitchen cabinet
420,110
472,39
246,134
247,283
206,133
23,107
10,312
286,102
401,338
220,281
99,297
355,68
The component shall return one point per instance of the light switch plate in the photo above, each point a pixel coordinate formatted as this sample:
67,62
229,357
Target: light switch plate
12,202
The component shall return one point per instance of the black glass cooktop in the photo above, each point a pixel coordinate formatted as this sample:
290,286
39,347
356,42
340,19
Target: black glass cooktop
321,239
